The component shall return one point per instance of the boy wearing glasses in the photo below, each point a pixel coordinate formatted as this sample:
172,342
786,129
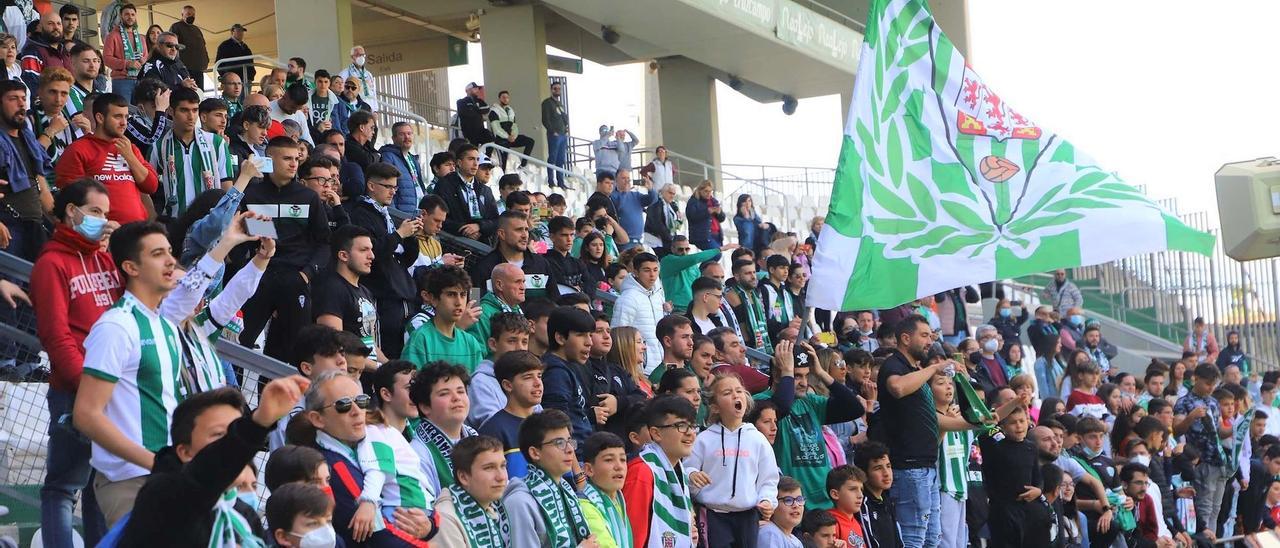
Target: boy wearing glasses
657,485
778,530
543,507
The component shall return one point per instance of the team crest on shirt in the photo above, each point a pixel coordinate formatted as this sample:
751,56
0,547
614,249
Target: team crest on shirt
668,539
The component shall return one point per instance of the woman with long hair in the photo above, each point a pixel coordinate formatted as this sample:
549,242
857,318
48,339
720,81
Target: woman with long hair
153,33
1049,367
12,70
594,261
749,224
628,352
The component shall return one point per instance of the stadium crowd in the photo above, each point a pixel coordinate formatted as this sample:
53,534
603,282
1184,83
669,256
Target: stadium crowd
586,383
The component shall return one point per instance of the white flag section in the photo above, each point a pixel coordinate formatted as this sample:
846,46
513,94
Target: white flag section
941,184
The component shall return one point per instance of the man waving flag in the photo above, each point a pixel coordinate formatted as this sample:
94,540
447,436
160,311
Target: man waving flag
941,184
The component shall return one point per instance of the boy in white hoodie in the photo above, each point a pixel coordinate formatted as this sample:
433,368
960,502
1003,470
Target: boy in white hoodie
739,460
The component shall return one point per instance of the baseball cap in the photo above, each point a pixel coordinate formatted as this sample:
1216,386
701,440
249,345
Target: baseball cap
238,26
485,161
472,85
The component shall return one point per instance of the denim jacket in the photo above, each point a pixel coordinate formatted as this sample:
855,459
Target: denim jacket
11,161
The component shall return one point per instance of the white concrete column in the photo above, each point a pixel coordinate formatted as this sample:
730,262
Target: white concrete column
689,122
514,43
316,30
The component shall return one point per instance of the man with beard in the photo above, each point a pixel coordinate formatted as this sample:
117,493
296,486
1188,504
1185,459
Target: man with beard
165,66
747,306
44,48
110,158
86,65
512,239
123,51
341,301
905,398
1048,441
23,162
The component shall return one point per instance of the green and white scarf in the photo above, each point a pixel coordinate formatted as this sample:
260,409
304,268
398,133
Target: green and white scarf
441,448
1239,437
483,531
615,514
672,511
756,316
566,526
230,529
173,170
132,40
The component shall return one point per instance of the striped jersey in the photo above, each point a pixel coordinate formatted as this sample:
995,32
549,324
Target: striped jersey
186,170
136,349
405,484
953,462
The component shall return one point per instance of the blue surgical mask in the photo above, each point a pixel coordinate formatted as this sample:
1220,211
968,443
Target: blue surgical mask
1005,312
1077,319
91,226
250,498
991,346
1090,452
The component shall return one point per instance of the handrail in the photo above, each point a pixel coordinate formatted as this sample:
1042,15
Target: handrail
15,267
415,102
271,62
259,363
535,161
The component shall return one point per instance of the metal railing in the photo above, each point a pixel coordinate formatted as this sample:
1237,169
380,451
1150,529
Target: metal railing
489,148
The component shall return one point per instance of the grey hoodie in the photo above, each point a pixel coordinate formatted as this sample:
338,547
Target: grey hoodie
525,516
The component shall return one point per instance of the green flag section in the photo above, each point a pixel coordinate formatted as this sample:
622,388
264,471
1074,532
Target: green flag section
941,184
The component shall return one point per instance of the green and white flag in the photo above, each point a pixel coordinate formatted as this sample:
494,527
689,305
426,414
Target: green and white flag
941,184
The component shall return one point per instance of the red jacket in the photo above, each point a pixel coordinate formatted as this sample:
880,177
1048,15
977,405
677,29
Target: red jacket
637,490
73,282
95,157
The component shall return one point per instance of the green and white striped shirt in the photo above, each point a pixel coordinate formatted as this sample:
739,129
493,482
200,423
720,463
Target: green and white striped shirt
953,462
186,170
136,349
404,484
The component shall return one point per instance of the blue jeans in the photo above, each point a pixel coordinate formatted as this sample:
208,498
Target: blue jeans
557,155
123,87
67,471
915,494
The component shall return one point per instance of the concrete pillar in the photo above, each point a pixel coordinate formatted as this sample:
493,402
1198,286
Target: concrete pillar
514,43
689,122
316,30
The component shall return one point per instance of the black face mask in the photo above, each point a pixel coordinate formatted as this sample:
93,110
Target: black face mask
190,20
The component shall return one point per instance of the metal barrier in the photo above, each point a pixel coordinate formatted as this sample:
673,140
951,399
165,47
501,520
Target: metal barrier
487,148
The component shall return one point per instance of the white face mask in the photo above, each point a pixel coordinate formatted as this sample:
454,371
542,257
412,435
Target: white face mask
991,345
1144,460
360,59
323,537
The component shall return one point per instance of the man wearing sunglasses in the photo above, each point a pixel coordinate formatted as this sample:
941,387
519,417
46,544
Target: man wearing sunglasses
349,102
542,507
165,66
336,407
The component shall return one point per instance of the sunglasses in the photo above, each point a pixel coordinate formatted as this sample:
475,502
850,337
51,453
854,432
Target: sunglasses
343,405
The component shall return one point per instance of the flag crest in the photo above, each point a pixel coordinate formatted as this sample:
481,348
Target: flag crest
941,183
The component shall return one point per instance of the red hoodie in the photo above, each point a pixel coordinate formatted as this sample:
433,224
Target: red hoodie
73,282
97,158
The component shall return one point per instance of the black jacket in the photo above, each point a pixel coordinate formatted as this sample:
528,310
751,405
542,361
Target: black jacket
473,114
534,265
655,221
608,378
172,73
390,277
231,48
175,505
567,270
195,52
554,117
303,222
362,155
450,189
878,523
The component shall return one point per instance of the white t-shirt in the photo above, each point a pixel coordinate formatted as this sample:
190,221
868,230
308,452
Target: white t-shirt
135,348
298,116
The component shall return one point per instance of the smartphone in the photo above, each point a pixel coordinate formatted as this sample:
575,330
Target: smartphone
265,229
958,357
827,337
263,163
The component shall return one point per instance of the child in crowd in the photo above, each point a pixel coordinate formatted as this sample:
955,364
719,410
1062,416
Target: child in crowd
300,514
393,475
1089,452
744,479
519,373
877,510
657,484
1084,401
844,486
508,332
1011,475
604,460
778,530
953,466
818,530
443,339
